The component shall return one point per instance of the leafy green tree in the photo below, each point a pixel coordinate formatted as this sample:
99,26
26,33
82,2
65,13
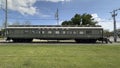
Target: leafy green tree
85,19
76,20
67,23
88,20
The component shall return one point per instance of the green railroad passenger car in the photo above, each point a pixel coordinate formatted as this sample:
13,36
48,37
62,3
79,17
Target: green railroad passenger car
28,33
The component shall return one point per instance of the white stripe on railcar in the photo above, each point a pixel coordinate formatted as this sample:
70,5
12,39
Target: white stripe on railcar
54,27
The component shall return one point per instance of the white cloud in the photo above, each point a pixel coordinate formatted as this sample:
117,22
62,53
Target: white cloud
95,16
106,24
22,6
25,6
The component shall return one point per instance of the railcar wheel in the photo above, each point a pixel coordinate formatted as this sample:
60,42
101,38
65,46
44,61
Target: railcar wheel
81,41
77,41
93,41
15,40
22,40
85,40
28,40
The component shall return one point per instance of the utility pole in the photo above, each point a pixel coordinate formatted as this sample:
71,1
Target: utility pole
6,17
114,20
114,14
57,16
6,14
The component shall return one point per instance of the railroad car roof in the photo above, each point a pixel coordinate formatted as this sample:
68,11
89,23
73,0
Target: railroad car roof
54,28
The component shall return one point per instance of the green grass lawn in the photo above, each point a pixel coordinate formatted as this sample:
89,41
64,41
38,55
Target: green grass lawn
45,56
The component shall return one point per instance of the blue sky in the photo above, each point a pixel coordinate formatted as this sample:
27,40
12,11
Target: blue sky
42,12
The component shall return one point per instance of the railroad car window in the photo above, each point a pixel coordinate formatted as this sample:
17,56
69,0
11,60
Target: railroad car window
15,31
12,31
49,32
26,31
98,32
74,32
70,32
81,32
101,31
7,32
57,32
33,31
94,31
63,32
43,32
39,32
88,32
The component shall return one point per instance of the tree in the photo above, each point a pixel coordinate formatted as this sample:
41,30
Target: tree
118,32
85,19
88,20
67,23
76,20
